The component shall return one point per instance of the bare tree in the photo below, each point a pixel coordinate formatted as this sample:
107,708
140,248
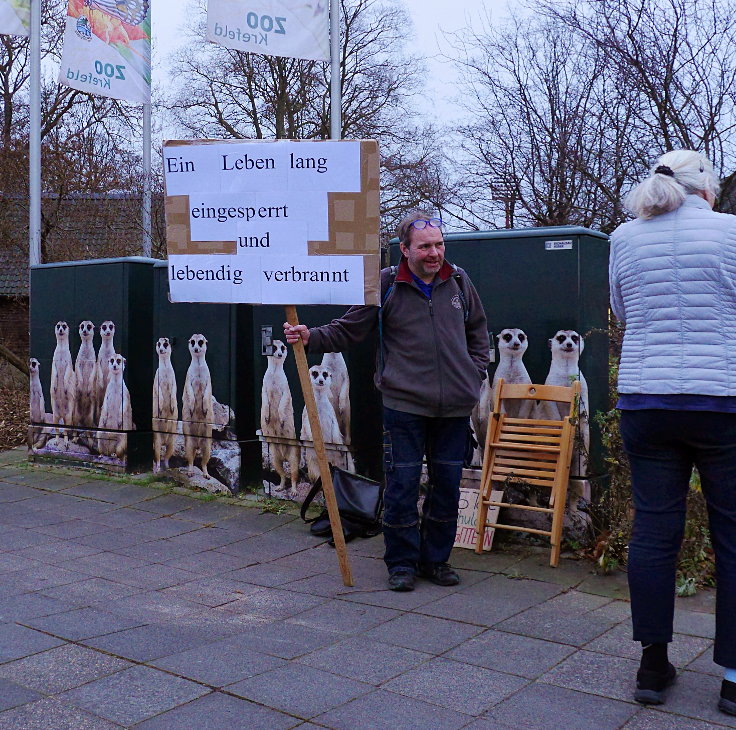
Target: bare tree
675,62
247,95
571,101
227,93
88,142
536,139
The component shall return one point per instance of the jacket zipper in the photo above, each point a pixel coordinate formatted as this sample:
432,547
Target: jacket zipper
439,361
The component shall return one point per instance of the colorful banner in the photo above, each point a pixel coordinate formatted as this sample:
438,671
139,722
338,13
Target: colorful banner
107,48
293,28
15,17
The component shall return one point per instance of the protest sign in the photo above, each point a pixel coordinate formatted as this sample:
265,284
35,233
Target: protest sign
15,17
277,222
292,28
467,519
107,49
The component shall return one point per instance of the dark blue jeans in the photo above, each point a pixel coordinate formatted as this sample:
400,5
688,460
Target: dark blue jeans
663,446
406,439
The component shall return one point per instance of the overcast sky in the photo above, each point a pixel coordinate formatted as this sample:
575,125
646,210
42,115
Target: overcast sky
431,18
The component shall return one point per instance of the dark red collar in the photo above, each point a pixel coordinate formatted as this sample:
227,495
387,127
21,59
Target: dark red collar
404,272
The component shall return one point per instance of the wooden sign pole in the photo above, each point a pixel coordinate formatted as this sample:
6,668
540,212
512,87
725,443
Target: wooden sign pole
319,448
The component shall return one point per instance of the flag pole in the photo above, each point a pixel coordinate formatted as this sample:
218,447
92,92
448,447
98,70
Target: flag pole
34,140
146,213
335,81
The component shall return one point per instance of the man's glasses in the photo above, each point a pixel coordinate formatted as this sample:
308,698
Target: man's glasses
423,223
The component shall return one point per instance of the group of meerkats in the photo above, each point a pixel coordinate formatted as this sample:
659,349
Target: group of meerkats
566,347
90,402
331,386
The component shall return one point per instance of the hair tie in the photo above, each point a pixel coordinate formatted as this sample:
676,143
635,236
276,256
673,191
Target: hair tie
664,170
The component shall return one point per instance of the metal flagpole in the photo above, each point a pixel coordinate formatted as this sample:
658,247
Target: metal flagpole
146,213
335,85
34,141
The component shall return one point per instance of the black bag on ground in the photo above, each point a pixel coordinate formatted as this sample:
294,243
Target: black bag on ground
359,501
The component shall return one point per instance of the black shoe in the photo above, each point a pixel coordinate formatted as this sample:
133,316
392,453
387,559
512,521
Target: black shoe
401,580
727,703
439,573
650,685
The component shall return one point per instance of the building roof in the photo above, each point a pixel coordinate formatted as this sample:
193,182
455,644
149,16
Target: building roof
13,274
76,227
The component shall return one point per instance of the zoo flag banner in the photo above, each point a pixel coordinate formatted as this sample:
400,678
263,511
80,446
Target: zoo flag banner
15,17
293,28
107,49
279,222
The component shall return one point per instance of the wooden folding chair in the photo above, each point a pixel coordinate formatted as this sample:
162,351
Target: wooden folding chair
532,451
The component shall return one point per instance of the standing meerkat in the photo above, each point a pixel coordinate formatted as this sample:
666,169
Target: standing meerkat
165,408
197,415
37,436
63,381
116,415
277,417
512,344
339,390
566,347
321,379
85,369
481,413
102,371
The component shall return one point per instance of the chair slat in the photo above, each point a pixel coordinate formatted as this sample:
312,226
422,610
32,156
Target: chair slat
536,421
526,447
532,430
522,438
516,471
524,391
548,510
532,455
516,528
534,481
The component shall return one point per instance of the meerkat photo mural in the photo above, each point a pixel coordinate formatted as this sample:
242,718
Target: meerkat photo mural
292,460
565,348
277,421
91,412
165,408
200,448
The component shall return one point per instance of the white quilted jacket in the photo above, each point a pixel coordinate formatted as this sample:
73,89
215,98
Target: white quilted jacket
673,281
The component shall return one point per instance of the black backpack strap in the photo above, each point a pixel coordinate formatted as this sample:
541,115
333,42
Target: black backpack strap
393,271
384,298
313,492
463,300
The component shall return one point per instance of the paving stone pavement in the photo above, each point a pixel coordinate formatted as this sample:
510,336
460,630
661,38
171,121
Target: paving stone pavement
130,605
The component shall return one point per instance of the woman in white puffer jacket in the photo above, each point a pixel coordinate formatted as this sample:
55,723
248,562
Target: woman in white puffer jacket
673,282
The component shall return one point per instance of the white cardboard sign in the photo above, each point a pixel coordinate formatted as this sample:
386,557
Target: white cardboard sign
243,220
467,519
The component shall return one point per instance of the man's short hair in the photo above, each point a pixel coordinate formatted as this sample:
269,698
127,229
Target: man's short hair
404,228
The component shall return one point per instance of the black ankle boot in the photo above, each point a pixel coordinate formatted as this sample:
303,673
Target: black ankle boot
727,703
654,676
650,685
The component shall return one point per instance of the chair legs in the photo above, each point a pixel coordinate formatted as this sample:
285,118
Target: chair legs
558,517
482,518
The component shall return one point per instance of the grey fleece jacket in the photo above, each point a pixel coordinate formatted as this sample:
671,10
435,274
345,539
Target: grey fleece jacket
434,360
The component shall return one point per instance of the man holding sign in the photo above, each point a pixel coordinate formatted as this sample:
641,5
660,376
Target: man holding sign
433,358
